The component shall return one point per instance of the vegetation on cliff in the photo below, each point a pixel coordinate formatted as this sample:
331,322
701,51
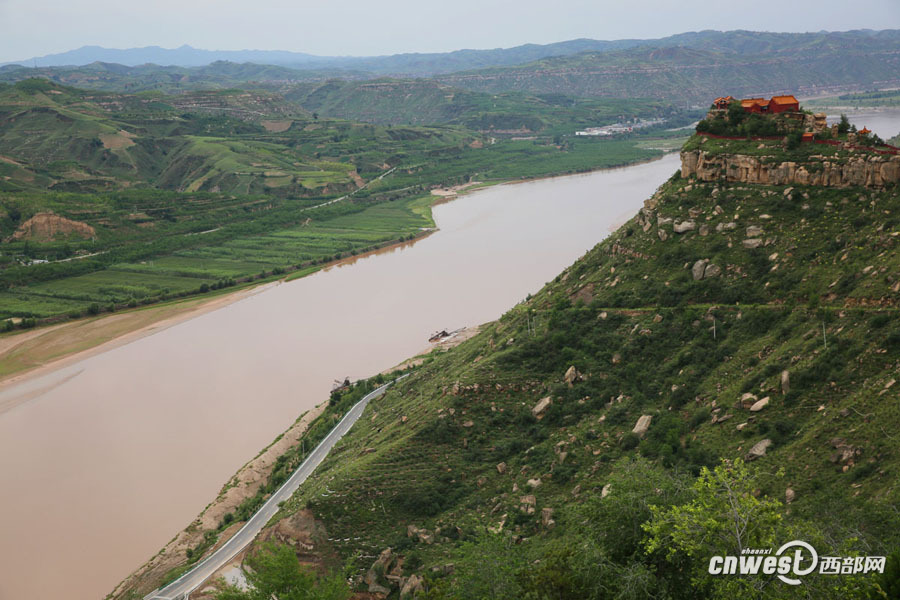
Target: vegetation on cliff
731,341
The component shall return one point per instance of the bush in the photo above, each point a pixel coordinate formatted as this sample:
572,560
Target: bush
630,441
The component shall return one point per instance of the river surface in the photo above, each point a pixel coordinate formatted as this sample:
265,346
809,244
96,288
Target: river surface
884,122
110,457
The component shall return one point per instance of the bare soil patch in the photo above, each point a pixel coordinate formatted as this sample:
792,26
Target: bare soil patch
116,141
276,126
44,227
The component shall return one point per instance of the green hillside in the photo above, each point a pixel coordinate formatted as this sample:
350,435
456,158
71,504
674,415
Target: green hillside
694,74
423,101
765,335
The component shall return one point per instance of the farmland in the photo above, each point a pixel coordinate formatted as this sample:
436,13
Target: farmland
109,201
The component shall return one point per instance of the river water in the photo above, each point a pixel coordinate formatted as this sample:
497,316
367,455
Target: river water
110,457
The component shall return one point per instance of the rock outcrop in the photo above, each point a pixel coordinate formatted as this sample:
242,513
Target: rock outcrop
870,170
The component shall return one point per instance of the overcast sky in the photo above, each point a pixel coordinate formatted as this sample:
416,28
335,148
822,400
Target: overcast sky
367,27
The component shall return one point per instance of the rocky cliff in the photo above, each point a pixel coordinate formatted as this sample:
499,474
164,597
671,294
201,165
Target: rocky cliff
870,170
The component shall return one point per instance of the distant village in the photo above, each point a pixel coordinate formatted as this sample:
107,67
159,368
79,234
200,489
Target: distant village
619,128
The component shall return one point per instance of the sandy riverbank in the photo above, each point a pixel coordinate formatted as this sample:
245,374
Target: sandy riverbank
39,351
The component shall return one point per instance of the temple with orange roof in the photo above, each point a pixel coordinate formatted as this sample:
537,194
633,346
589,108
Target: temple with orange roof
777,104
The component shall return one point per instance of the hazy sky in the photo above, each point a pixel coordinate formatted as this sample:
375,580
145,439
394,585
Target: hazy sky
366,27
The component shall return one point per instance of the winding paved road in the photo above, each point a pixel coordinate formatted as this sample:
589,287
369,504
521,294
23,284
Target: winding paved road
181,588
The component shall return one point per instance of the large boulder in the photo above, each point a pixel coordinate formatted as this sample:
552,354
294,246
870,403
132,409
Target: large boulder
699,268
541,407
642,425
572,376
375,576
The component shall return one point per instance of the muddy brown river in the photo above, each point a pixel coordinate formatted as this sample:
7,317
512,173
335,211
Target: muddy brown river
103,461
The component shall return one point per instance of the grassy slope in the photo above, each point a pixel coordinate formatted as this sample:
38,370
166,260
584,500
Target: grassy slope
652,341
419,101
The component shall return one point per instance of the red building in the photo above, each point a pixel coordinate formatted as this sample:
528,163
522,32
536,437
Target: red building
755,105
780,104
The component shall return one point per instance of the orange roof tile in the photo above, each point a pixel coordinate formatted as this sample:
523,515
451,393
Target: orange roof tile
785,100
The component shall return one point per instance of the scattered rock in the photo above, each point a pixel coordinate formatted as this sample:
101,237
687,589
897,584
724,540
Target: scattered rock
605,491
419,535
785,382
752,243
760,404
547,517
533,483
741,426
527,503
754,231
412,587
748,400
712,271
684,226
759,449
731,225
789,495
501,468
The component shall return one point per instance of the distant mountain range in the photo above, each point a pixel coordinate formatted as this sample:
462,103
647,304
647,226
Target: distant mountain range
427,64
688,67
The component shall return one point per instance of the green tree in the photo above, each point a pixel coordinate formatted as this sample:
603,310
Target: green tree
724,517
277,573
843,125
888,584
